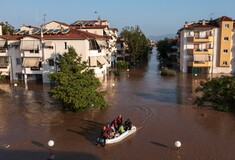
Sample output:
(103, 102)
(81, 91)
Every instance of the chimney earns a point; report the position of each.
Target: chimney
(203, 22)
(99, 21)
(1, 28)
(186, 24)
(30, 30)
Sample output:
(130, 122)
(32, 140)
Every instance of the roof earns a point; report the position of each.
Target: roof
(75, 34)
(114, 29)
(224, 18)
(92, 27)
(30, 26)
(72, 34)
(62, 23)
(207, 24)
(10, 37)
(91, 20)
(199, 26)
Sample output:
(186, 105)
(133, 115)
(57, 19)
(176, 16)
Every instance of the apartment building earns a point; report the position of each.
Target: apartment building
(207, 46)
(101, 27)
(30, 53)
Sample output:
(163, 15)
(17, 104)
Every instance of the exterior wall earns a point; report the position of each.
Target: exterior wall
(0, 29)
(233, 53)
(183, 52)
(80, 46)
(225, 44)
(14, 53)
(54, 25)
(94, 31)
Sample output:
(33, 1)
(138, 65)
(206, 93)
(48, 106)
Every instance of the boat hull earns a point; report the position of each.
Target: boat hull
(122, 136)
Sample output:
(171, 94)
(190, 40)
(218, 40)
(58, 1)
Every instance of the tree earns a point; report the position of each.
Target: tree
(164, 47)
(138, 44)
(7, 29)
(220, 92)
(75, 84)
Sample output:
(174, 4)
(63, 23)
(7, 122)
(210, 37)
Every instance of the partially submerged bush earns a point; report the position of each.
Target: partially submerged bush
(122, 64)
(168, 72)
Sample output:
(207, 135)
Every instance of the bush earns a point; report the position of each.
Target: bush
(122, 64)
(168, 72)
(116, 73)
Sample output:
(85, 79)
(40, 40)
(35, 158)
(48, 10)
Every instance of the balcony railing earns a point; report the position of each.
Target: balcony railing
(30, 54)
(200, 39)
(200, 51)
(30, 70)
(200, 64)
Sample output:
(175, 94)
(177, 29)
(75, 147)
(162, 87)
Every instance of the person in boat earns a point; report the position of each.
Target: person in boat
(103, 134)
(119, 120)
(115, 124)
(121, 129)
(128, 124)
(112, 131)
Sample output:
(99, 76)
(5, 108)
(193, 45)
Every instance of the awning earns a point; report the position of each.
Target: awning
(48, 44)
(102, 43)
(29, 44)
(31, 62)
(201, 58)
(93, 61)
(102, 60)
(2, 43)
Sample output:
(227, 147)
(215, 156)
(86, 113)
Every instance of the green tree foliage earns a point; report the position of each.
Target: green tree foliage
(75, 84)
(138, 44)
(122, 64)
(163, 47)
(220, 92)
(7, 29)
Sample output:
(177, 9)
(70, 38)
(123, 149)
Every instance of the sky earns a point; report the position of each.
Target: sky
(154, 17)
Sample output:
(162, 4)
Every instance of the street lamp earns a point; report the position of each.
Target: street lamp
(178, 145)
(51, 144)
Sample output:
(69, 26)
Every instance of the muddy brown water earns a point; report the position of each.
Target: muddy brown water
(160, 107)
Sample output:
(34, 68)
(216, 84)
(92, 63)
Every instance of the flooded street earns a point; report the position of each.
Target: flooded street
(160, 107)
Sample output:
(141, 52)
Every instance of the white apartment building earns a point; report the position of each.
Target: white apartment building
(30, 53)
(100, 27)
(207, 46)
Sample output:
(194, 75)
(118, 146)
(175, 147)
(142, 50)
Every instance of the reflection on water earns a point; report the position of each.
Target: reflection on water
(160, 107)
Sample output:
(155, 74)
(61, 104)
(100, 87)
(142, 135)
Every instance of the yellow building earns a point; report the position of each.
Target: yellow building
(207, 46)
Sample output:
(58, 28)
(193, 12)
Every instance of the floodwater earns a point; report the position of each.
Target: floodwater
(160, 107)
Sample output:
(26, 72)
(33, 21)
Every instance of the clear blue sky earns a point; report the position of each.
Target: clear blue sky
(155, 17)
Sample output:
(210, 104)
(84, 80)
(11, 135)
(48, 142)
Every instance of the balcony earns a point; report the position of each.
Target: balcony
(30, 70)
(199, 64)
(3, 52)
(200, 39)
(30, 54)
(95, 53)
(200, 51)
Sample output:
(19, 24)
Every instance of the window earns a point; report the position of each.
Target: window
(226, 38)
(18, 61)
(226, 25)
(225, 51)
(65, 45)
(50, 62)
(225, 63)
